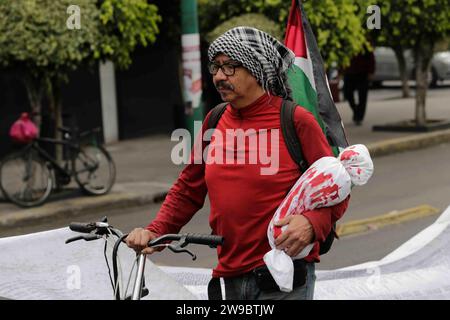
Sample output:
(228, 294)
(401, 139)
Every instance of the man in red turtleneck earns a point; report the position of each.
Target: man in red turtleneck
(243, 199)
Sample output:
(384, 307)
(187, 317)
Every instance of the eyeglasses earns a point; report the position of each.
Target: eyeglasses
(228, 68)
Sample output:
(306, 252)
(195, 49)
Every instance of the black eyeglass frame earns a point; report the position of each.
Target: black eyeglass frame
(216, 67)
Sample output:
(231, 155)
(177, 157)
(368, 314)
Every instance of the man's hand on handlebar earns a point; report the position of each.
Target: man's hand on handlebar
(138, 240)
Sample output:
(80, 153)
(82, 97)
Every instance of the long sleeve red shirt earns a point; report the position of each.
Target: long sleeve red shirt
(243, 200)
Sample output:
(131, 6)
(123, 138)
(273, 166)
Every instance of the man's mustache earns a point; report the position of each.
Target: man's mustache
(223, 85)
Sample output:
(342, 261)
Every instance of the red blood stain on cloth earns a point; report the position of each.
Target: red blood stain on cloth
(348, 154)
(320, 179)
(330, 192)
(322, 195)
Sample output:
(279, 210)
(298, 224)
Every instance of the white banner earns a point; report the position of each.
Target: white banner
(41, 266)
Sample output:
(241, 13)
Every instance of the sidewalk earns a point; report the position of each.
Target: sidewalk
(145, 170)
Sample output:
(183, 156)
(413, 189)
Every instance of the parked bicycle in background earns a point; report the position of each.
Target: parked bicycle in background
(27, 177)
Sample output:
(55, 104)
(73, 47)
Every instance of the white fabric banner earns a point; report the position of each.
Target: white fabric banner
(41, 266)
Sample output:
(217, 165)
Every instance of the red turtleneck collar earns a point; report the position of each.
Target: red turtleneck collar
(253, 108)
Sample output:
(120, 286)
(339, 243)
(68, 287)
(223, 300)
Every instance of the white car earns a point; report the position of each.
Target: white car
(387, 66)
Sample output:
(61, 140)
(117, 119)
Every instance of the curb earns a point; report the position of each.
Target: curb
(356, 227)
(412, 142)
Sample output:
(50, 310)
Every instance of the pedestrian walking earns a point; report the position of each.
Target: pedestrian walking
(356, 79)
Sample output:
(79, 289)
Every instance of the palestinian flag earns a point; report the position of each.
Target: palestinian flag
(308, 80)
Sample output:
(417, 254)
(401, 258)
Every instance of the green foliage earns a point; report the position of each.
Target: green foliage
(36, 37)
(214, 12)
(35, 40)
(124, 25)
(34, 34)
(337, 24)
(255, 20)
(408, 22)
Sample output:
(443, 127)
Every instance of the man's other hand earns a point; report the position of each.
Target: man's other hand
(297, 236)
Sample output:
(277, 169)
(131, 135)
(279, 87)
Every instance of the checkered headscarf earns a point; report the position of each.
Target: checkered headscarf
(265, 57)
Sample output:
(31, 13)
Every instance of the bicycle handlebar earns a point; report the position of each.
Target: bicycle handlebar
(82, 227)
(205, 239)
(91, 131)
(80, 134)
(64, 129)
(185, 238)
(101, 229)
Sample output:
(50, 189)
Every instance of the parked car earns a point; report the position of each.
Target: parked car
(387, 66)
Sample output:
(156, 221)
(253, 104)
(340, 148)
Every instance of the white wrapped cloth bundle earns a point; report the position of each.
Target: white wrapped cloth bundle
(327, 182)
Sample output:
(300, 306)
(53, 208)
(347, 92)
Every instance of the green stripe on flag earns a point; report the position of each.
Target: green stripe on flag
(305, 96)
(303, 93)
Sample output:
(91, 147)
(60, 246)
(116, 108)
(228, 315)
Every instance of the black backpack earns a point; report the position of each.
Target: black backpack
(292, 143)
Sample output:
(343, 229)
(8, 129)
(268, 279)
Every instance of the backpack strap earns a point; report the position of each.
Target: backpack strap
(215, 115)
(290, 134)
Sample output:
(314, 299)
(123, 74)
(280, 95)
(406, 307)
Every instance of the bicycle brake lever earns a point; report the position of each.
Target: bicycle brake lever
(179, 250)
(74, 239)
(89, 237)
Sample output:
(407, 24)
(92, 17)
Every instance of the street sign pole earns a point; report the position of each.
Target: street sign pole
(192, 73)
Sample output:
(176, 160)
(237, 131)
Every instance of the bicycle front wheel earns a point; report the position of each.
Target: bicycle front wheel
(95, 171)
(25, 179)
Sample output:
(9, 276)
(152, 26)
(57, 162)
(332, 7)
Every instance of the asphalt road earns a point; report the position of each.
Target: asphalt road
(400, 181)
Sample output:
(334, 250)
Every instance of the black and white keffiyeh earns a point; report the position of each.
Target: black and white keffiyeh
(265, 57)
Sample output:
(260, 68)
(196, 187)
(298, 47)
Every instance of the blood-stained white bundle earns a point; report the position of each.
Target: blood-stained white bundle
(327, 182)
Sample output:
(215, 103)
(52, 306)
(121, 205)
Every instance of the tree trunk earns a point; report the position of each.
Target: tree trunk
(54, 98)
(35, 91)
(423, 52)
(403, 71)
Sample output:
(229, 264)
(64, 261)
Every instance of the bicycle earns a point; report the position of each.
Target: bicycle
(28, 176)
(102, 230)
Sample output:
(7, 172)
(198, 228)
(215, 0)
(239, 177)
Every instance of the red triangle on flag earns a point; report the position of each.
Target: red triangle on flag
(295, 36)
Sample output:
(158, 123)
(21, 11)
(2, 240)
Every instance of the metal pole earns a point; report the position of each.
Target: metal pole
(137, 290)
(192, 73)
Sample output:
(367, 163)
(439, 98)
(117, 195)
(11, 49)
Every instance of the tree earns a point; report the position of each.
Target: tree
(392, 35)
(125, 24)
(420, 25)
(337, 24)
(45, 45)
(255, 20)
(37, 43)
